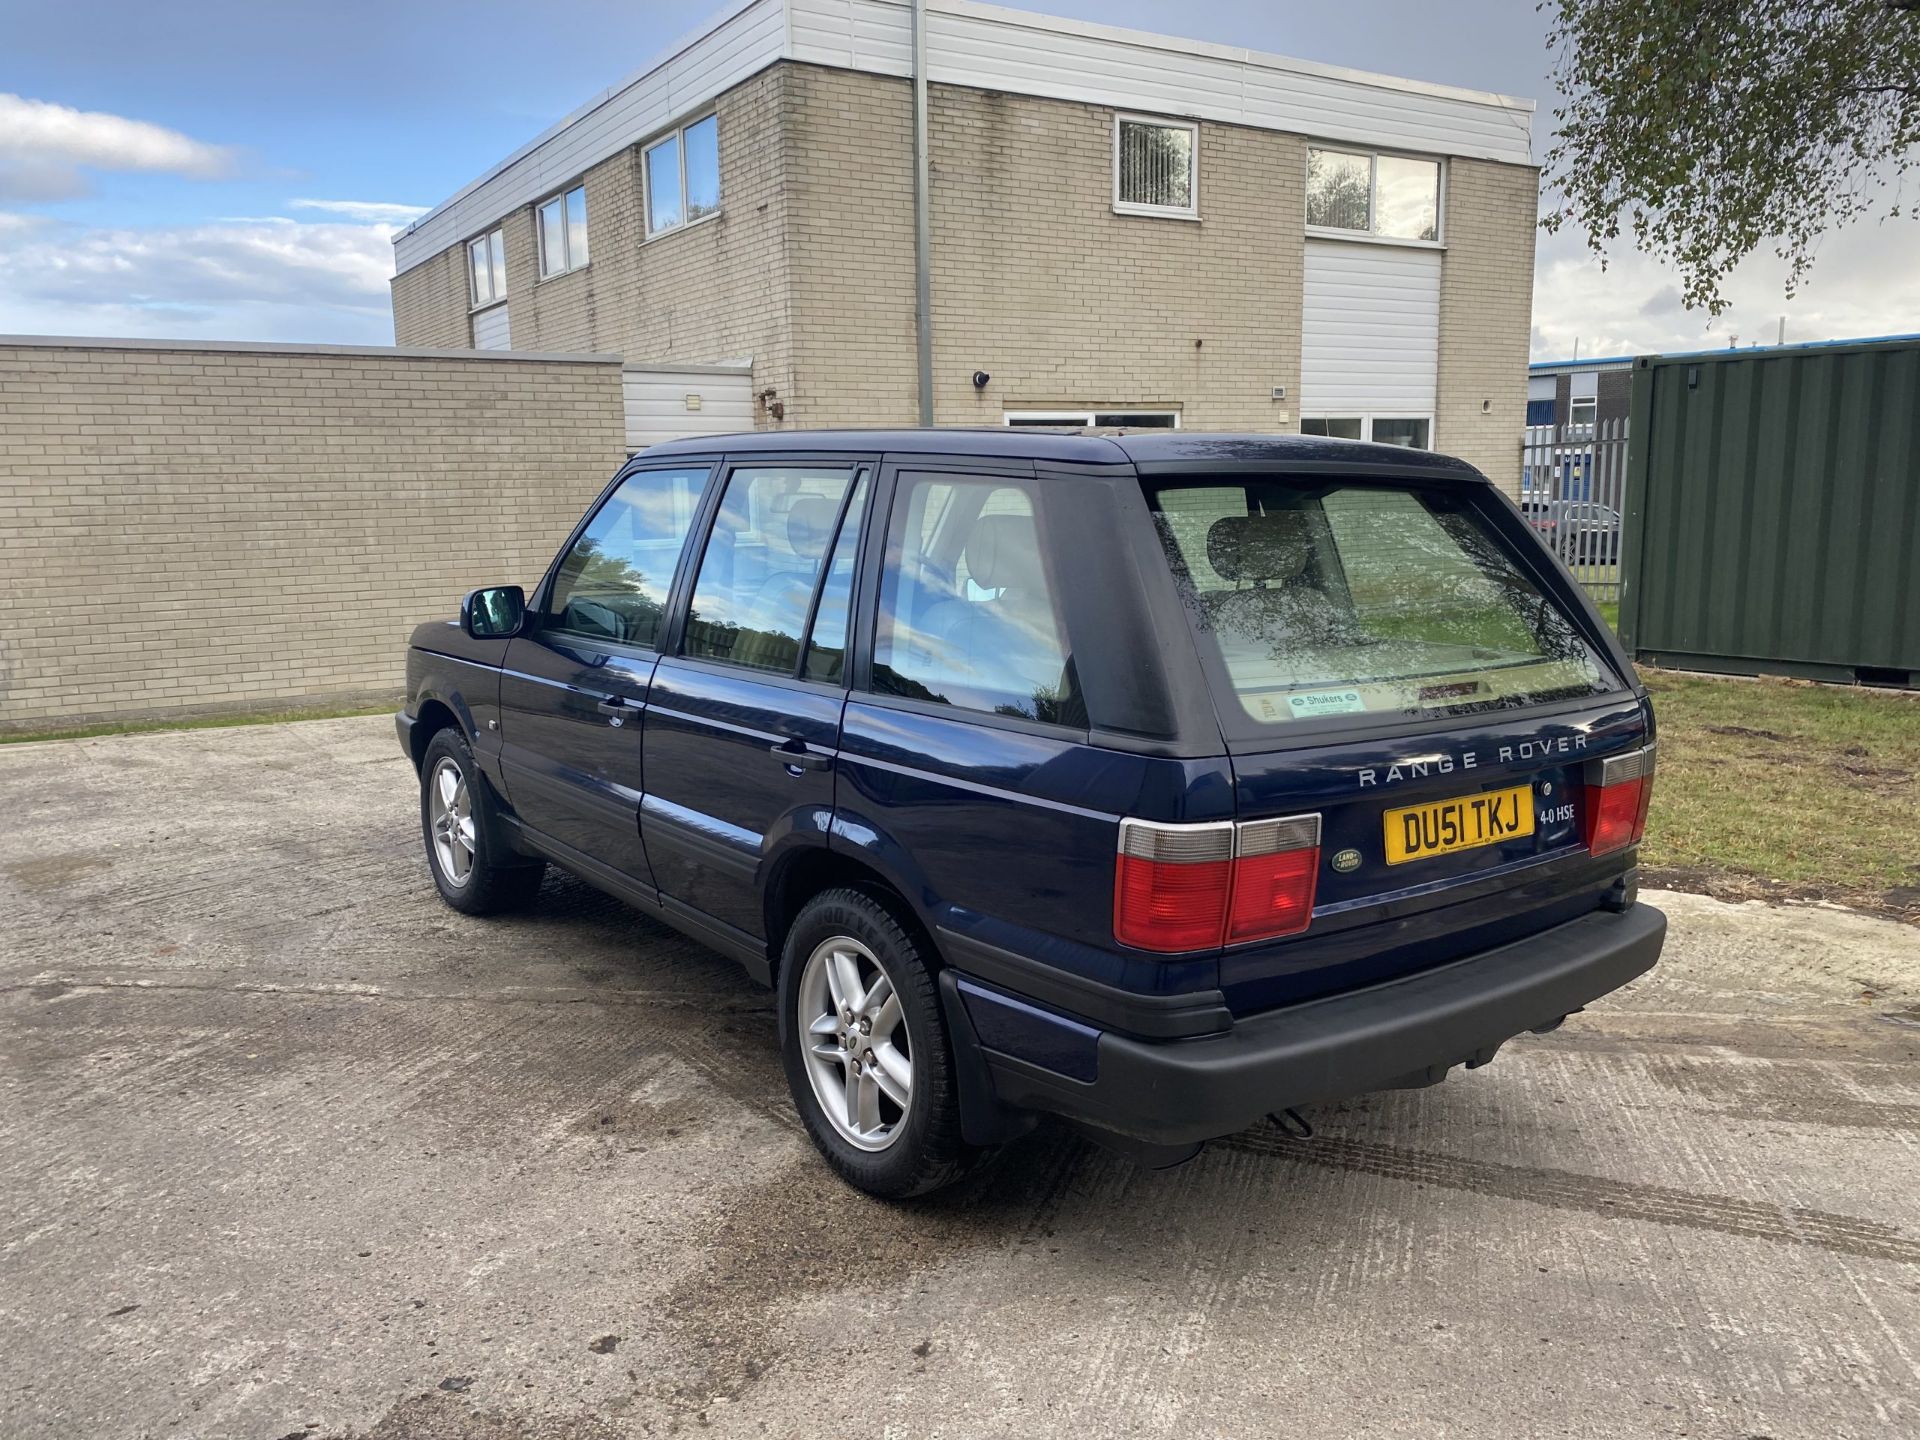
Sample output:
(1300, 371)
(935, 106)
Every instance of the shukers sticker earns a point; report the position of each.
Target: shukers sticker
(1308, 703)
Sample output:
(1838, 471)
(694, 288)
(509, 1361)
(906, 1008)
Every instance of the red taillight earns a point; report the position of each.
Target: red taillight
(1171, 884)
(1617, 799)
(1274, 868)
(1193, 887)
(1161, 905)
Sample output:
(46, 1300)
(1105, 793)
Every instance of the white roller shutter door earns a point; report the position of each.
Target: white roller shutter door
(1370, 329)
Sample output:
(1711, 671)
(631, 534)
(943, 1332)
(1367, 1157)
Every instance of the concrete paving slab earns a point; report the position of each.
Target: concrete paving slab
(288, 1148)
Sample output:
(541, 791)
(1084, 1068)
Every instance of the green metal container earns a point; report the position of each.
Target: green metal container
(1773, 512)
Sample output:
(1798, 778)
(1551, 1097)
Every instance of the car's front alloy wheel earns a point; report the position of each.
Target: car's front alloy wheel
(473, 869)
(450, 818)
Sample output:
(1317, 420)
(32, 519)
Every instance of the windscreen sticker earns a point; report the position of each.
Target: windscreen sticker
(1308, 703)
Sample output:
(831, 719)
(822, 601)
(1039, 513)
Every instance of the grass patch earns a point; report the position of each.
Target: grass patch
(1782, 789)
(198, 722)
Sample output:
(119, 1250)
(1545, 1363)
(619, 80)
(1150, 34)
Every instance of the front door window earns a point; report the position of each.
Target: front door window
(613, 582)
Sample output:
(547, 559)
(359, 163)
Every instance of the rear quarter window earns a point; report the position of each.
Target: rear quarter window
(1316, 600)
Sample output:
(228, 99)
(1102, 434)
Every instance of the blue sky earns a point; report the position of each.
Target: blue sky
(227, 171)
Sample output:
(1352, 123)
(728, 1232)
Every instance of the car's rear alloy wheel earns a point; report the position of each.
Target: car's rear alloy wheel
(859, 1055)
(865, 1047)
(450, 813)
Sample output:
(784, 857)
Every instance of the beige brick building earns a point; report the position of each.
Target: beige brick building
(1124, 227)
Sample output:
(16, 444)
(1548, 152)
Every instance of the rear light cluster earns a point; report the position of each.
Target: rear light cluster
(1618, 791)
(1195, 887)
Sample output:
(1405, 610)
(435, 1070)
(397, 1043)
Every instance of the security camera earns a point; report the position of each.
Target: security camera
(980, 379)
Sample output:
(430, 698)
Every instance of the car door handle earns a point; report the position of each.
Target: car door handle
(796, 755)
(617, 708)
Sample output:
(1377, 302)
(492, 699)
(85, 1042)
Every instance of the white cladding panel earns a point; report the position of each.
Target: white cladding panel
(1369, 329)
(751, 38)
(1541, 387)
(657, 404)
(994, 49)
(1585, 384)
(490, 329)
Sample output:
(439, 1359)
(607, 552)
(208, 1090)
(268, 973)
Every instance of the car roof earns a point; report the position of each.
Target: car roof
(1150, 450)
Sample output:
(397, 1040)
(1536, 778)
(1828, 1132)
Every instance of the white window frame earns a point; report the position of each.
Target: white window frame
(1190, 211)
(1085, 419)
(1574, 404)
(1371, 235)
(678, 133)
(566, 235)
(496, 275)
(1367, 417)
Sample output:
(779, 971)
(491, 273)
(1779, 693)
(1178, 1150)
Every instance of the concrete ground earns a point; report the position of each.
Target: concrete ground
(289, 1149)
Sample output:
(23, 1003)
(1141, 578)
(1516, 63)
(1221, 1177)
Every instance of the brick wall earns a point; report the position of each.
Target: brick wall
(716, 290)
(203, 528)
(430, 304)
(1486, 309)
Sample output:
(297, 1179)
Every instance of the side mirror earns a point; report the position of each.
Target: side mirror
(494, 613)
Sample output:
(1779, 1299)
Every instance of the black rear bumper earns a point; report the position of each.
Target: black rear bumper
(1408, 1031)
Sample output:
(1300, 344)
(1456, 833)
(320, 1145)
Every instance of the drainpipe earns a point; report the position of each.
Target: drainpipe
(922, 226)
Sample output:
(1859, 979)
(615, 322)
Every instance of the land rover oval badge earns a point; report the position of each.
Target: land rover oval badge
(1346, 860)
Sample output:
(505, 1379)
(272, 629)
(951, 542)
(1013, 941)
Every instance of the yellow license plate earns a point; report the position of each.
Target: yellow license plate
(1420, 832)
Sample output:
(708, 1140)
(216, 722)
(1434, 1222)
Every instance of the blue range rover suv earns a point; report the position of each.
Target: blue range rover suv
(1158, 782)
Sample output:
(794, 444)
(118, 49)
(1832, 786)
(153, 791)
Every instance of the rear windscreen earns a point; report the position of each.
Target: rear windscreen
(1331, 599)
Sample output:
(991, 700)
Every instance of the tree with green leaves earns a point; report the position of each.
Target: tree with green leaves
(1707, 128)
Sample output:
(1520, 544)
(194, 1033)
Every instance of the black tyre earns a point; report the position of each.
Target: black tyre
(866, 1049)
(458, 826)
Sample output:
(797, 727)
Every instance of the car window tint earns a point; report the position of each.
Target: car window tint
(827, 646)
(613, 583)
(761, 563)
(967, 616)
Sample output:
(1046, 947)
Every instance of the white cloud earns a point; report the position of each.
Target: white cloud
(265, 279)
(371, 211)
(45, 148)
(1863, 283)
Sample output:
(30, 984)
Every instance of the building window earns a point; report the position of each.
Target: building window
(1414, 432)
(1393, 197)
(1155, 166)
(487, 269)
(683, 176)
(563, 232)
(1583, 412)
(1095, 419)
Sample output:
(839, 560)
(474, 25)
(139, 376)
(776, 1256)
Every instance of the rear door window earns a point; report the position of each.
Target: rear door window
(1352, 599)
(762, 565)
(967, 612)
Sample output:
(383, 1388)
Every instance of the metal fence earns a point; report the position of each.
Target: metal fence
(1573, 485)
